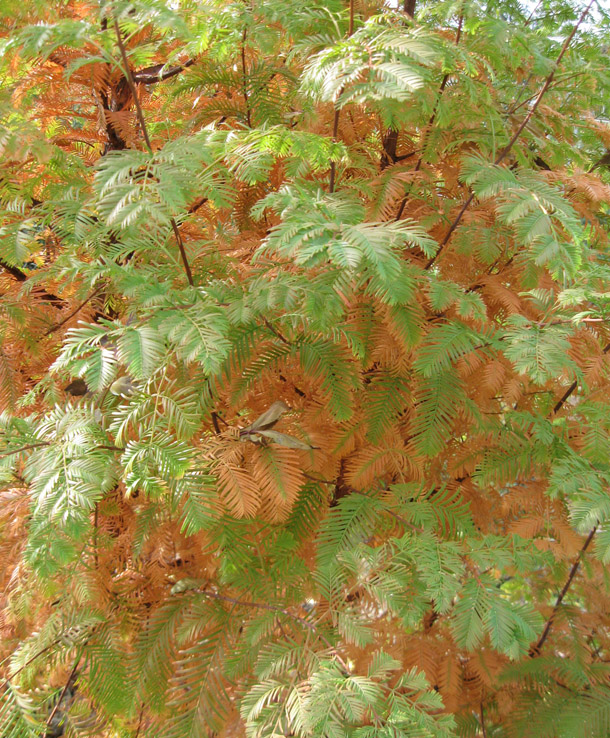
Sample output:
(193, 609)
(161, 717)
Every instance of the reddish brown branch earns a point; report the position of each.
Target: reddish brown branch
(331, 182)
(483, 729)
(142, 122)
(187, 268)
(57, 326)
(29, 661)
(244, 71)
(535, 650)
(430, 123)
(24, 448)
(140, 721)
(333, 166)
(62, 695)
(132, 85)
(197, 204)
(571, 389)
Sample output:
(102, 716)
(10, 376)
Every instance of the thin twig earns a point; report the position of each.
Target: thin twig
(535, 650)
(57, 326)
(275, 332)
(429, 125)
(132, 85)
(197, 204)
(159, 72)
(23, 448)
(28, 662)
(333, 166)
(482, 720)
(506, 150)
(140, 721)
(187, 268)
(568, 393)
(62, 695)
(244, 71)
(283, 611)
(47, 443)
(531, 15)
(331, 181)
(504, 153)
(95, 528)
(558, 81)
(142, 122)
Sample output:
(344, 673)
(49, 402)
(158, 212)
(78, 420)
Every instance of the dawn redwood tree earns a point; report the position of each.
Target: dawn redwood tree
(304, 369)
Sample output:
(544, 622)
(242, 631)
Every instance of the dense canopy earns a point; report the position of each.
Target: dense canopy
(304, 369)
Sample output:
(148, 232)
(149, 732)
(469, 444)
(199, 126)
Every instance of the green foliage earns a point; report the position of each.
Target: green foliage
(304, 369)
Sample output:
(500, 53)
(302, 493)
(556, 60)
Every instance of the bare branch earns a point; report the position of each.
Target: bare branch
(159, 73)
(57, 326)
(571, 389)
(62, 695)
(535, 650)
(142, 122)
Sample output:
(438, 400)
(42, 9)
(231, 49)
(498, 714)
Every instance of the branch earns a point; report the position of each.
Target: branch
(159, 73)
(244, 71)
(535, 650)
(61, 696)
(132, 85)
(24, 448)
(504, 153)
(275, 608)
(29, 661)
(57, 326)
(140, 721)
(21, 276)
(333, 166)
(572, 388)
(409, 7)
(142, 122)
(426, 132)
(483, 729)
(187, 268)
(275, 332)
(47, 443)
(13, 271)
(196, 205)
(531, 15)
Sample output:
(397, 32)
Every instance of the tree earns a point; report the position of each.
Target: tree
(304, 368)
